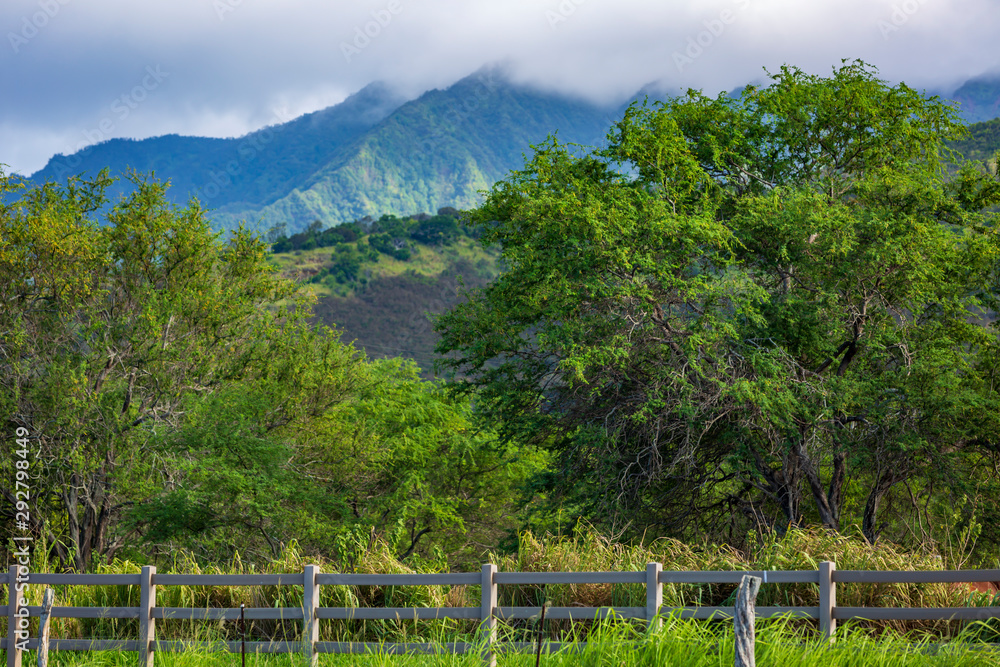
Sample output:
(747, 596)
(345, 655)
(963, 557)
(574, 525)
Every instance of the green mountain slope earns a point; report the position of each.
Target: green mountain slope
(379, 282)
(438, 150)
(978, 99)
(247, 172)
(369, 155)
(376, 153)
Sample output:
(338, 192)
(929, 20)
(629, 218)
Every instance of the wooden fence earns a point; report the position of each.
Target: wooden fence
(827, 577)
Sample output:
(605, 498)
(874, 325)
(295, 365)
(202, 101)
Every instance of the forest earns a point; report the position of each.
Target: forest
(736, 317)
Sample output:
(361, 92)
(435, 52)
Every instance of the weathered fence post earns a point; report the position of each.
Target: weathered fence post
(488, 624)
(654, 596)
(13, 604)
(43, 627)
(310, 622)
(827, 600)
(147, 624)
(743, 620)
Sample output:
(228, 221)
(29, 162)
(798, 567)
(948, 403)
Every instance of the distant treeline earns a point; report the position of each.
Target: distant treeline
(389, 235)
(360, 243)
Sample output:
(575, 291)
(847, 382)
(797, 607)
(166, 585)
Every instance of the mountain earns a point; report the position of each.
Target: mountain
(247, 172)
(983, 142)
(978, 99)
(373, 154)
(438, 150)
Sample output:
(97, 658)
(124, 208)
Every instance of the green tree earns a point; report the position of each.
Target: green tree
(111, 335)
(239, 473)
(743, 312)
(436, 230)
(412, 468)
(346, 264)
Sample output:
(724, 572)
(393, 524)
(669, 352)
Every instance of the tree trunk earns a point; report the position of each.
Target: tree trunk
(783, 485)
(791, 491)
(827, 502)
(868, 522)
(88, 518)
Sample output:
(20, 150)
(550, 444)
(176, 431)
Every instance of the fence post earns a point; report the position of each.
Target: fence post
(310, 622)
(147, 624)
(743, 620)
(43, 627)
(827, 600)
(654, 596)
(13, 604)
(488, 624)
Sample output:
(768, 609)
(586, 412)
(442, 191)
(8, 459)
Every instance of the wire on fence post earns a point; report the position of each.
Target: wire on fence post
(541, 634)
(743, 620)
(243, 632)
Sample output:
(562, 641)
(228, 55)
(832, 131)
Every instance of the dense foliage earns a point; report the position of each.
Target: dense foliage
(738, 316)
(748, 312)
(388, 235)
(169, 400)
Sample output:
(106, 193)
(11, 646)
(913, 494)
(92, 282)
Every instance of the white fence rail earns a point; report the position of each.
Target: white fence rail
(488, 613)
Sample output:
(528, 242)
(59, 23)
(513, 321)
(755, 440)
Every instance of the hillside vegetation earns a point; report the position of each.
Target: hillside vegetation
(380, 282)
(982, 144)
(376, 152)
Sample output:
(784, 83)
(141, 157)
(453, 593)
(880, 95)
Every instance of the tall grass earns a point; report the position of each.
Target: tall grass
(796, 550)
(585, 551)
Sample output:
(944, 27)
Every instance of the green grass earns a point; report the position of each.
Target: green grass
(681, 643)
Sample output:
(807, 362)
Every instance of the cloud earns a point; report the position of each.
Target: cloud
(232, 63)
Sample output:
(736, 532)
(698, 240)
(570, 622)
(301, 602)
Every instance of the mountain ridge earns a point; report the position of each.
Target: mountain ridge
(438, 150)
(250, 159)
(374, 153)
(978, 99)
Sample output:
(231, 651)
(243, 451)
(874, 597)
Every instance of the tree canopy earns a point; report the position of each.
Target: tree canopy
(175, 393)
(754, 311)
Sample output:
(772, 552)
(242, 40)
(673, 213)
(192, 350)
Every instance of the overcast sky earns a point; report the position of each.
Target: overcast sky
(73, 72)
